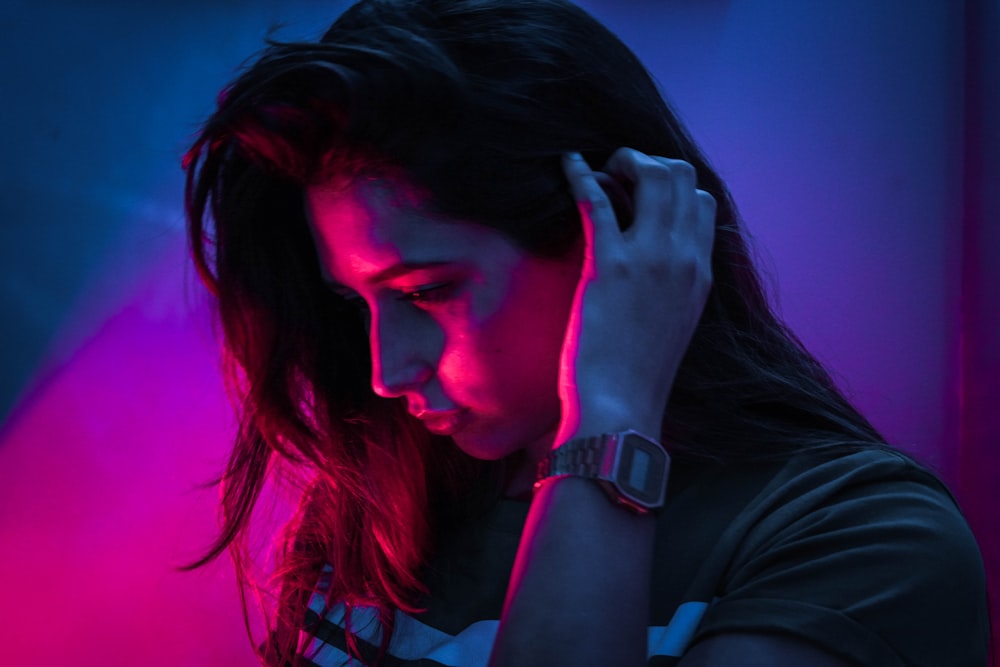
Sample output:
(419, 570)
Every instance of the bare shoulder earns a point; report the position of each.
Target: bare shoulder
(758, 650)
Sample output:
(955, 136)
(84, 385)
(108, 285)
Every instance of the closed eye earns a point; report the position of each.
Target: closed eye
(429, 294)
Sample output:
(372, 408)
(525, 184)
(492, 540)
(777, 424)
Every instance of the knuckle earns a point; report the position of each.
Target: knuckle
(626, 153)
(599, 202)
(707, 203)
(683, 172)
(654, 170)
(685, 168)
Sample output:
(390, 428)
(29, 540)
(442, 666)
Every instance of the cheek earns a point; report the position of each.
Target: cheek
(526, 338)
(509, 340)
(463, 366)
(539, 323)
(485, 356)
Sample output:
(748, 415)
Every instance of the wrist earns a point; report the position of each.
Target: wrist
(631, 467)
(607, 415)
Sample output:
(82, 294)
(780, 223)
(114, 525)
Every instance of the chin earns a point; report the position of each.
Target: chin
(485, 449)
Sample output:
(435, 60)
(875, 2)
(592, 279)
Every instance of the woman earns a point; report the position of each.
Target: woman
(485, 300)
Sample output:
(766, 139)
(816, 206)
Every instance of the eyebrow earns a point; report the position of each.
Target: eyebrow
(386, 274)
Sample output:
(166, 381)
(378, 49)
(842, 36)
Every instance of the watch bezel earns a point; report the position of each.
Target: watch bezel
(622, 477)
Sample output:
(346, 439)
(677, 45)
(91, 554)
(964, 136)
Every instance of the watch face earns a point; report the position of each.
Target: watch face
(642, 469)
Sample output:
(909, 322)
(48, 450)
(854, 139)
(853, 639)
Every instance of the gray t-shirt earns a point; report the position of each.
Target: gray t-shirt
(864, 555)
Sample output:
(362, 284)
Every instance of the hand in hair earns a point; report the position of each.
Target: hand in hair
(642, 289)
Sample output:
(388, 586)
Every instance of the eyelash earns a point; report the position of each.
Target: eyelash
(427, 296)
(430, 294)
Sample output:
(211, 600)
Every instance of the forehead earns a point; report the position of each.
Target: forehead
(368, 225)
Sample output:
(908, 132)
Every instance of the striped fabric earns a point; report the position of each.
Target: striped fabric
(416, 643)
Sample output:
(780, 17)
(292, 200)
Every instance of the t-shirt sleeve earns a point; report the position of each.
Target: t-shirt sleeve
(866, 556)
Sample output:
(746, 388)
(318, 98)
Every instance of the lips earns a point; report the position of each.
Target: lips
(445, 422)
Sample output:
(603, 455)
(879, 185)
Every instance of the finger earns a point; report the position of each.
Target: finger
(685, 178)
(663, 189)
(693, 209)
(704, 208)
(621, 200)
(596, 210)
(707, 208)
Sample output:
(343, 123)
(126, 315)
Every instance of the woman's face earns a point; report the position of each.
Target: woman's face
(466, 326)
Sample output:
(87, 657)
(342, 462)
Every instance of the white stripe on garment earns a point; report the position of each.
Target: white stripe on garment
(413, 640)
(673, 639)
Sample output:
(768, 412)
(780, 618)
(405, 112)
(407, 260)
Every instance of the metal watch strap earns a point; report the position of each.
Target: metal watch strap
(583, 459)
(631, 467)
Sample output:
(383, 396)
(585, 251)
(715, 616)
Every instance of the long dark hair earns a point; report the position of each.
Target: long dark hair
(474, 101)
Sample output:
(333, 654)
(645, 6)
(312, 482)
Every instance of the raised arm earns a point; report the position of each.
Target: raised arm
(579, 591)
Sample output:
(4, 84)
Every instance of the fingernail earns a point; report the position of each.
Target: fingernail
(573, 155)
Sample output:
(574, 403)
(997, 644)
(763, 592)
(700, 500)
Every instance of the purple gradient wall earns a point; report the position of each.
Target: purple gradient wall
(844, 130)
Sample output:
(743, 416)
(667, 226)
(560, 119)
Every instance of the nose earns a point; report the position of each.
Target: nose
(402, 355)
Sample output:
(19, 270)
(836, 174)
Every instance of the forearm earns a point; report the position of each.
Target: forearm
(579, 591)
